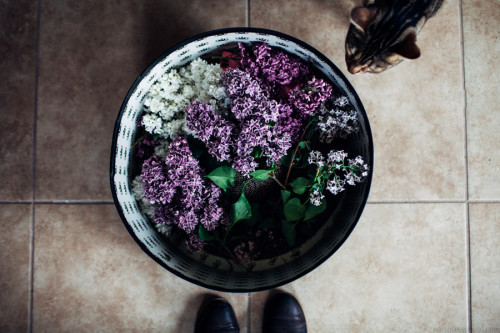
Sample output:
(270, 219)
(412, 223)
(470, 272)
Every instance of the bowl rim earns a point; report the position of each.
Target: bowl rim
(181, 44)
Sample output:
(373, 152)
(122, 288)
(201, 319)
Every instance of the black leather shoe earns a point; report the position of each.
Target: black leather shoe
(282, 313)
(216, 316)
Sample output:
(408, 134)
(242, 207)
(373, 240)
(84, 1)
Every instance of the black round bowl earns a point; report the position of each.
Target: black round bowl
(207, 270)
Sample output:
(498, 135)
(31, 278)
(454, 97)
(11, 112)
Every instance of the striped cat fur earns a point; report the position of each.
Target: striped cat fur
(383, 33)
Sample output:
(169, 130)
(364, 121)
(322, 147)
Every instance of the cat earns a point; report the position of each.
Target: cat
(383, 33)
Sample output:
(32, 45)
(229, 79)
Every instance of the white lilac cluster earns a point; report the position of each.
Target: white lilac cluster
(337, 121)
(333, 173)
(167, 98)
(138, 192)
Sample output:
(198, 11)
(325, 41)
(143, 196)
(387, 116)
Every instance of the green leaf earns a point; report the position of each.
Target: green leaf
(294, 210)
(256, 152)
(260, 174)
(300, 185)
(204, 234)
(285, 195)
(304, 145)
(223, 177)
(289, 232)
(241, 209)
(312, 210)
(256, 216)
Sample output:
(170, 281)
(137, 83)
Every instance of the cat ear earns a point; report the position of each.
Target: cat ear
(407, 48)
(361, 17)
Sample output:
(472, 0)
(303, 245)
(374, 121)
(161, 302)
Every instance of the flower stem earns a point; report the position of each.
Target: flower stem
(316, 176)
(273, 176)
(138, 141)
(223, 244)
(295, 153)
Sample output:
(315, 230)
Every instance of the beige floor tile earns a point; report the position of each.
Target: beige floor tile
(482, 66)
(15, 223)
(416, 109)
(485, 266)
(17, 79)
(91, 276)
(403, 269)
(91, 52)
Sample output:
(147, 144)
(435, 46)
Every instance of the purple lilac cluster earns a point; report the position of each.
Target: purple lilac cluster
(272, 93)
(145, 147)
(308, 98)
(273, 67)
(259, 123)
(286, 79)
(194, 243)
(154, 182)
(212, 129)
(285, 75)
(184, 197)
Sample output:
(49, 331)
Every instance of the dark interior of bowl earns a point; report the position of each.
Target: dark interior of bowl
(339, 219)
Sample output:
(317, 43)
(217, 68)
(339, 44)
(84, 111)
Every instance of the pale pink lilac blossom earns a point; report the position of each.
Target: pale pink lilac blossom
(333, 173)
(337, 120)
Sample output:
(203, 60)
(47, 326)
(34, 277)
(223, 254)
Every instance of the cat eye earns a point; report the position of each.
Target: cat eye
(351, 50)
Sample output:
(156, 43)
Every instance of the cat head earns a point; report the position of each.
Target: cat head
(373, 45)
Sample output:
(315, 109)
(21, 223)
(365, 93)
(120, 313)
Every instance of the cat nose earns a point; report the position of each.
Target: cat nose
(353, 69)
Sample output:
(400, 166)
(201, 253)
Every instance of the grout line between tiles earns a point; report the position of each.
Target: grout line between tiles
(483, 201)
(249, 313)
(21, 202)
(74, 202)
(433, 202)
(248, 14)
(31, 268)
(467, 195)
(33, 168)
(468, 269)
(389, 202)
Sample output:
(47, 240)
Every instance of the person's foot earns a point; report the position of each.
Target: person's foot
(216, 316)
(282, 313)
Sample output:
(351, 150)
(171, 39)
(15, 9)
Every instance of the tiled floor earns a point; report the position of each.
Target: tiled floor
(425, 256)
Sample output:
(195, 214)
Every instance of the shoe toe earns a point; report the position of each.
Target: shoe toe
(283, 313)
(216, 315)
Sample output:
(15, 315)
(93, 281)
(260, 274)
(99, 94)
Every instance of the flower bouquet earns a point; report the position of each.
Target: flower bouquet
(242, 156)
